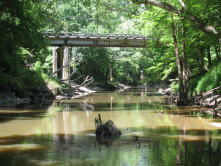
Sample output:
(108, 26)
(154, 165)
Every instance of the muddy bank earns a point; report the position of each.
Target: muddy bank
(9, 98)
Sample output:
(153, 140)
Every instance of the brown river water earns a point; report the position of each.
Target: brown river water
(63, 132)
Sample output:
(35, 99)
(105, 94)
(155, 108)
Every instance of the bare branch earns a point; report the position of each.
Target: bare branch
(86, 80)
(77, 78)
(70, 75)
(67, 64)
(211, 91)
(158, 111)
(159, 4)
(89, 82)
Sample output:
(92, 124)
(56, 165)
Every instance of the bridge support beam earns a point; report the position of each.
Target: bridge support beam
(54, 53)
(61, 58)
(66, 61)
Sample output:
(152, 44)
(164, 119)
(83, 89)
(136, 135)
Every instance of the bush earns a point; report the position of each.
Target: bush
(210, 80)
(174, 87)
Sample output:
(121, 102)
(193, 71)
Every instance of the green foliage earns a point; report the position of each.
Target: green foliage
(194, 83)
(22, 43)
(210, 80)
(174, 87)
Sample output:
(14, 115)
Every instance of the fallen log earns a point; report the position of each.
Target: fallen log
(209, 92)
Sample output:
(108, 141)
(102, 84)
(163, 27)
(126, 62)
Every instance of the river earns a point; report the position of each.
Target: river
(63, 132)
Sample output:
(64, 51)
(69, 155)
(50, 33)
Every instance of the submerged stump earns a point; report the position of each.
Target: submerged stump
(107, 129)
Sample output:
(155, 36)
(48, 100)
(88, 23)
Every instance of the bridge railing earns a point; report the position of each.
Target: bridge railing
(94, 35)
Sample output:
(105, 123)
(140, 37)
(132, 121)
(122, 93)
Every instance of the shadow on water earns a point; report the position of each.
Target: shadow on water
(25, 111)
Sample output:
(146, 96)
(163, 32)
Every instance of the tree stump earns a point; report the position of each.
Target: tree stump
(107, 129)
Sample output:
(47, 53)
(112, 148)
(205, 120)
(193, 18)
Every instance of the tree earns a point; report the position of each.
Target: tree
(185, 13)
(22, 41)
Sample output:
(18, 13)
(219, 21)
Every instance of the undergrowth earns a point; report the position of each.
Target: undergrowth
(210, 80)
(200, 84)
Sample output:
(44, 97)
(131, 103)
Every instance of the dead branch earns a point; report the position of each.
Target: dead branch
(210, 91)
(77, 78)
(70, 75)
(86, 80)
(158, 111)
(172, 80)
(67, 65)
(89, 82)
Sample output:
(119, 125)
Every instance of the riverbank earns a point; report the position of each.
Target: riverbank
(47, 92)
(52, 92)
(209, 100)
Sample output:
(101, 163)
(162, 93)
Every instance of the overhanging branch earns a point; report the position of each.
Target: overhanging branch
(198, 23)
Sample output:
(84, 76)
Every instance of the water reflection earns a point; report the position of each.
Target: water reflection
(63, 132)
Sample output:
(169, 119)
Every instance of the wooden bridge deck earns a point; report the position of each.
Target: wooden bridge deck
(97, 39)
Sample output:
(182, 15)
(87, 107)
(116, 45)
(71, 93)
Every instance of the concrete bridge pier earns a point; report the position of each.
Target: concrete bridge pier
(61, 58)
(54, 53)
(66, 61)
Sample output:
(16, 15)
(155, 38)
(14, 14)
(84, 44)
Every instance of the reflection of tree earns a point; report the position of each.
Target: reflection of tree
(184, 152)
(178, 152)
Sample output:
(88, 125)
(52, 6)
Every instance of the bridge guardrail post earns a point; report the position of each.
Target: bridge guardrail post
(116, 36)
(98, 35)
(77, 35)
(135, 36)
(66, 34)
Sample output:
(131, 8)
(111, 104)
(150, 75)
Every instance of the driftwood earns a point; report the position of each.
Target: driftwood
(86, 82)
(67, 64)
(158, 111)
(210, 91)
(107, 129)
(70, 75)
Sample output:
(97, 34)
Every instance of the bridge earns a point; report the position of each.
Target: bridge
(97, 39)
(62, 41)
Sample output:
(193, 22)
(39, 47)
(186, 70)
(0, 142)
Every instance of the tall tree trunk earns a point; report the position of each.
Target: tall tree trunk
(185, 67)
(201, 59)
(217, 54)
(209, 57)
(201, 66)
(110, 68)
(106, 76)
(181, 93)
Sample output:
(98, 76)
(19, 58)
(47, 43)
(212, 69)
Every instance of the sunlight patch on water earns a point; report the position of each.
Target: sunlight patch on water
(20, 147)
